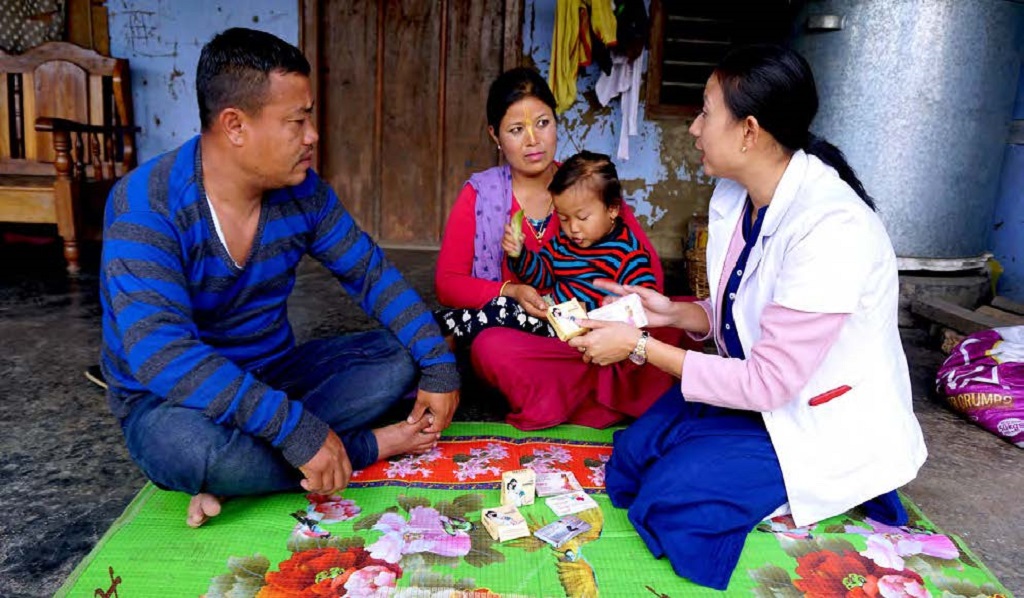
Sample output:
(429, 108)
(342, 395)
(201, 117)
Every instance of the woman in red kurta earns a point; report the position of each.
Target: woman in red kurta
(544, 380)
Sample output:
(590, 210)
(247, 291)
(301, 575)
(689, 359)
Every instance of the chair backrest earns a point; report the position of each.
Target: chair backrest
(64, 81)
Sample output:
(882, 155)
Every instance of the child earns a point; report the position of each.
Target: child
(592, 244)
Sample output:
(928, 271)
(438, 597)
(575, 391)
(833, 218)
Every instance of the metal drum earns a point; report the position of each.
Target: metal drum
(919, 95)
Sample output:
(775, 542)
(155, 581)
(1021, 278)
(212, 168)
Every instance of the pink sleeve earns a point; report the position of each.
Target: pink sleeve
(792, 346)
(706, 306)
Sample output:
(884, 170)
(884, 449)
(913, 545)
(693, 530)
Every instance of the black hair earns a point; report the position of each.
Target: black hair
(234, 70)
(593, 169)
(512, 86)
(775, 85)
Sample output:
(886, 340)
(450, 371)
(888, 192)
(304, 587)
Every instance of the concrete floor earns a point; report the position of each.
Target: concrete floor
(65, 475)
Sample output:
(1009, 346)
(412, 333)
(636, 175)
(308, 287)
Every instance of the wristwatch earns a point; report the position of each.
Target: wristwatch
(639, 354)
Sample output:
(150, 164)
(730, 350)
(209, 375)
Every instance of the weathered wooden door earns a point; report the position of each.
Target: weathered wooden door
(401, 89)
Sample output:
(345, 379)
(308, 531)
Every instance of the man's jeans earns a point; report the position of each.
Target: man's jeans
(348, 382)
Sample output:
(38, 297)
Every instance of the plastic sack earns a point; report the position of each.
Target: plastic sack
(983, 378)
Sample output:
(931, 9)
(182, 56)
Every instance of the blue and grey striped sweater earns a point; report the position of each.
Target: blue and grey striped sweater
(180, 320)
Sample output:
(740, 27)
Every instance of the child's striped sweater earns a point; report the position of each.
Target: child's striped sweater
(566, 270)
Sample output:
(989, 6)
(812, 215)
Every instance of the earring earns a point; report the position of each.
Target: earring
(499, 146)
(743, 149)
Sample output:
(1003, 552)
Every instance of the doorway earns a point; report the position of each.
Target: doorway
(401, 88)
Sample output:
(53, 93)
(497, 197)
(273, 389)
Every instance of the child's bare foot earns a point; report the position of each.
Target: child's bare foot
(201, 508)
(403, 438)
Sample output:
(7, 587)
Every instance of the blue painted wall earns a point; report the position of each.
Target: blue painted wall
(1008, 225)
(162, 40)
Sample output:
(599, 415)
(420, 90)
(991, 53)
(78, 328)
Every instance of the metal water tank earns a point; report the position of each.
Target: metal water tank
(919, 95)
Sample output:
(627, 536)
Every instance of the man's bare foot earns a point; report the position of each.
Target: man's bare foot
(202, 507)
(403, 437)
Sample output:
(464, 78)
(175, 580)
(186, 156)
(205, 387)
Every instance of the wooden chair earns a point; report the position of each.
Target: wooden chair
(66, 135)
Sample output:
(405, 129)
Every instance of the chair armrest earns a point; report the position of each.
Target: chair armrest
(69, 146)
(46, 124)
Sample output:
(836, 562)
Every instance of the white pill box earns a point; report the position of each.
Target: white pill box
(628, 309)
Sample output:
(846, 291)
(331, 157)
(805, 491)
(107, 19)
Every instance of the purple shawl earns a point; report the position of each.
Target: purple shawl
(493, 202)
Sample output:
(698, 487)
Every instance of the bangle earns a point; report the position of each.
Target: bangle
(501, 292)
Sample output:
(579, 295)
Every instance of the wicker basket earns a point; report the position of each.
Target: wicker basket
(695, 253)
(697, 272)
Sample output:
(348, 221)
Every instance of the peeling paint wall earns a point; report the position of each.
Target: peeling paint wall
(1008, 226)
(662, 179)
(162, 40)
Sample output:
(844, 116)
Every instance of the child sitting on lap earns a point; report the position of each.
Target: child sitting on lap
(593, 244)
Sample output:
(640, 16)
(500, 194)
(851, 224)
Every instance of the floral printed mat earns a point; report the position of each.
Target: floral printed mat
(410, 527)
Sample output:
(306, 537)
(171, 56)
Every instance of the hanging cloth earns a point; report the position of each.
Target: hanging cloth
(571, 44)
(624, 81)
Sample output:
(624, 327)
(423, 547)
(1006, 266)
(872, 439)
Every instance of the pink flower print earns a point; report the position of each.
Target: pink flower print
(423, 532)
(390, 546)
(493, 451)
(897, 586)
(403, 468)
(411, 465)
(432, 455)
(479, 461)
(470, 470)
(597, 471)
(546, 459)
(888, 545)
(332, 509)
(371, 581)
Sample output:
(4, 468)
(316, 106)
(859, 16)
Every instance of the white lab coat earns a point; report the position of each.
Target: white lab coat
(823, 250)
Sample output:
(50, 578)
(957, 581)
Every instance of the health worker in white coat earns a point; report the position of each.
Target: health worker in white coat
(807, 406)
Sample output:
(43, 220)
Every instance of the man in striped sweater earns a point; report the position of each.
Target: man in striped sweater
(199, 255)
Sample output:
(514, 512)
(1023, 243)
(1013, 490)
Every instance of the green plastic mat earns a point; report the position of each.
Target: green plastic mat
(410, 527)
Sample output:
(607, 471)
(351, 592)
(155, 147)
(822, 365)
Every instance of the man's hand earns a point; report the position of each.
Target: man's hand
(529, 298)
(329, 469)
(441, 406)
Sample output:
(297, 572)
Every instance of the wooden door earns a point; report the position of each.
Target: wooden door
(401, 88)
